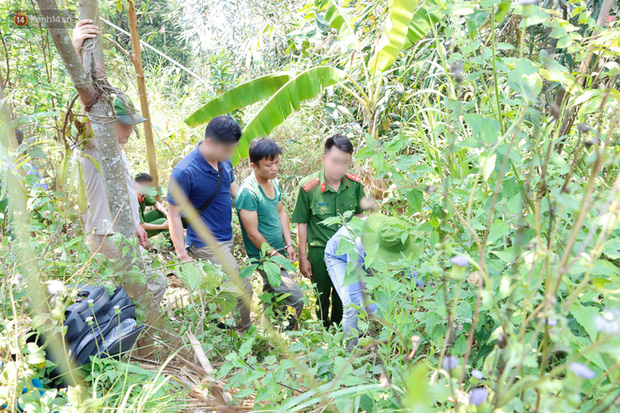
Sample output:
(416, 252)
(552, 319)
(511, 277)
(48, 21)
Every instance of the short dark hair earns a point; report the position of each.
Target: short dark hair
(339, 141)
(223, 129)
(263, 148)
(143, 177)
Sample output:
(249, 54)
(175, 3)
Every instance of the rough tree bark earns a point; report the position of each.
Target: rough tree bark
(136, 59)
(102, 119)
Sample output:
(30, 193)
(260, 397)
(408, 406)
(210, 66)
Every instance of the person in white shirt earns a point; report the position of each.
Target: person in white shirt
(98, 220)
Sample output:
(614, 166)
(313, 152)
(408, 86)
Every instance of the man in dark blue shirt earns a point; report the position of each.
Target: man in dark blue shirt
(206, 177)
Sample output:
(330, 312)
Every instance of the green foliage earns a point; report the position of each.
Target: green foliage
(481, 128)
(394, 34)
(238, 97)
(338, 19)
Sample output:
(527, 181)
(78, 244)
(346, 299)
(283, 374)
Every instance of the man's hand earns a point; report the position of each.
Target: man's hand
(164, 225)
(305, 267)
(184, 257)
(292, 254)
(85, 29)
(143, 237)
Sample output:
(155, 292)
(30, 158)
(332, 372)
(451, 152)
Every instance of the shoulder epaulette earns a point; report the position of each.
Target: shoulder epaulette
(310, 184)
(354, 177)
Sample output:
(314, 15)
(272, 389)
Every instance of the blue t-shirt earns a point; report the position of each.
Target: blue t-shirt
(198, 179)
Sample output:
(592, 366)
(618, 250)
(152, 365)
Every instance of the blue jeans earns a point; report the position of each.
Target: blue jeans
(351, 296)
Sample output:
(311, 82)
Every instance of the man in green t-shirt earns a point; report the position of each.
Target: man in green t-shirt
(265, 221)
(155, 220)
(330, 192)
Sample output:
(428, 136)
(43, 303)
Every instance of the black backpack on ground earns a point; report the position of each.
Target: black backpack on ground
(100, 325)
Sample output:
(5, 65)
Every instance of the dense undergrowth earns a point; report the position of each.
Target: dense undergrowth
(494, 132)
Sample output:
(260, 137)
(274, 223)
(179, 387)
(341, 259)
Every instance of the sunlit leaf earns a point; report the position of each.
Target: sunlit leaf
(238, 97)
(427, 15)
(338, 19)
(418, 389)
(273, 274)
(284, 263)
(302, 87)
(394, 34)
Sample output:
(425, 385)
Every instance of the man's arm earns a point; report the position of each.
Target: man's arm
(160, 208)
(302, 244)
(359, 210)
(249, 220)
(286, 232)
(148, 226)
(233, 189)
(301, 215)
(176, 232)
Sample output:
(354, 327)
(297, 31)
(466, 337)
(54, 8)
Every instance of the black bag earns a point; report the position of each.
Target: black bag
(99, 325)
(208, 201)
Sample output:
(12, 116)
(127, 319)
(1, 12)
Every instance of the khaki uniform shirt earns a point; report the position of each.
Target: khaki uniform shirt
(317, 201)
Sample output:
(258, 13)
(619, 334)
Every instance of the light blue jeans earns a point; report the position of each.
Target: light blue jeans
(351, 295)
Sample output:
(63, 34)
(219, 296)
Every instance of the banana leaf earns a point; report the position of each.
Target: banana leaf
(304, 86)
(426, 16)
(394, 34)
(238, 97)
(338, 19)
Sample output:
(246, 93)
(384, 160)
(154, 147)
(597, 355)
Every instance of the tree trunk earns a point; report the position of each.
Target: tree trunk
(102, 119)
(136, 59)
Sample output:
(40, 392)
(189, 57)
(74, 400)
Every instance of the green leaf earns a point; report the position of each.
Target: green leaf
(338, 19)
(304, 86)
(498, 230)
(612, 248)
(475, 22)
(427, 15)
(238, 97)
(502, 10)
(190, 276)
(415, 199)
(418, 389)
(508, 255)
(248, 270)
(525, 79)
(585, 316)
(273, 274)
(483, 129)
(284, 263)
(487, 165)
(393, 39)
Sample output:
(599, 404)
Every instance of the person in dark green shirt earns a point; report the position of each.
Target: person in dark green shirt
(330, 192)
(264, 221)
(155, 220)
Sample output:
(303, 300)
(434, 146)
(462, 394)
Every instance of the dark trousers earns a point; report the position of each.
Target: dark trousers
(325, 288)
(293, 297)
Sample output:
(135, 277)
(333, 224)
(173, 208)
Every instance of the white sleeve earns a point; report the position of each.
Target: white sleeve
(133, 196)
